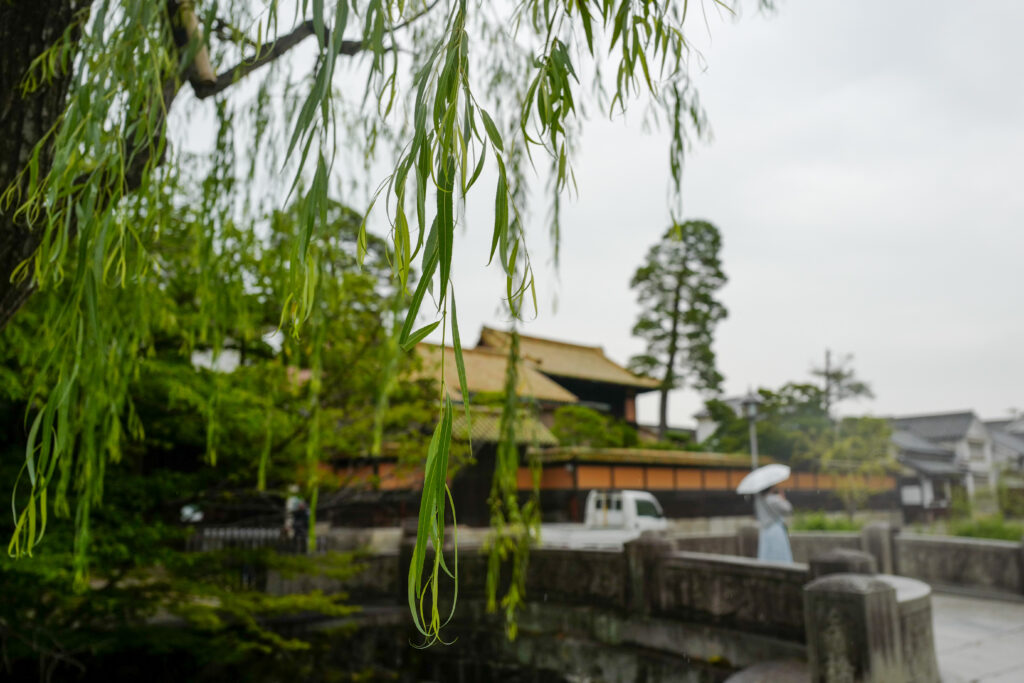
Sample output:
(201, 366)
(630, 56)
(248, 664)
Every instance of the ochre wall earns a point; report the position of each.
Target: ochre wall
(668, 478)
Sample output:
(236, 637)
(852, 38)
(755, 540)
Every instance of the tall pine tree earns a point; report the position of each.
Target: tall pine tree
(676, 289)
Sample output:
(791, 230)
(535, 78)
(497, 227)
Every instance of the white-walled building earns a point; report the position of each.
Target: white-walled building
(962, 434)
(1007, 443)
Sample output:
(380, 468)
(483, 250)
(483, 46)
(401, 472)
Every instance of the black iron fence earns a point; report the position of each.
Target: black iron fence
(208, 539)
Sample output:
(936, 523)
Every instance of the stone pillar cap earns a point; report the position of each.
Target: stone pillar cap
(849, 583)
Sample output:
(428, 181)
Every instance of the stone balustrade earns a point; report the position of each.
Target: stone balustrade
(701, 598)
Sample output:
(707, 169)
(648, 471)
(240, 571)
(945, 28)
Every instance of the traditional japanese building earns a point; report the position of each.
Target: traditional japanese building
(586, 372)
(552, 374)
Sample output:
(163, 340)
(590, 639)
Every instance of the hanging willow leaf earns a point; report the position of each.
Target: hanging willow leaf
(419, 335)
(430, 259)
(434, 498)
(492, 131)
(446, 220)
(460, 365)
(500, 234)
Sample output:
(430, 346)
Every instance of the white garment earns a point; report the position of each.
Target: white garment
(773, 541)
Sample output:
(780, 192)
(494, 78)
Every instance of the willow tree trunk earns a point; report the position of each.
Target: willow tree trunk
(27, 29)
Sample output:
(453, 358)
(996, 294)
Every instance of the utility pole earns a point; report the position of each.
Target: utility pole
(828, 383)
(828, 393)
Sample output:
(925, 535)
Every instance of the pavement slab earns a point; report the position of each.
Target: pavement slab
(978, 640)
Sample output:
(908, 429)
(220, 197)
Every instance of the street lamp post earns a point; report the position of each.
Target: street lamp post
(751, 402)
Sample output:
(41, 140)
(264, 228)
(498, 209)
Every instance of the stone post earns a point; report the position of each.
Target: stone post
(746, 540)
(642, 556)
(876, 538)
(1020, 566)
(914, 600)
(853, 630)
(843, 561)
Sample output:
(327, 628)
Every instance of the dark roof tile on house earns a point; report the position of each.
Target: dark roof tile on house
(1007, 440)
(1010, 426)
(908, 442)
(562, 359)
(932, 468)
(942, 427)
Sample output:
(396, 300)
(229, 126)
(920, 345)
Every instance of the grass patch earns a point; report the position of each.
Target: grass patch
(819, 521)
(988, 527)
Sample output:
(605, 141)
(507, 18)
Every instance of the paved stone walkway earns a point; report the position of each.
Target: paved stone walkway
(978, 640)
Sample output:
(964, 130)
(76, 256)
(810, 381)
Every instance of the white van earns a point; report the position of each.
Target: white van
(637, 510)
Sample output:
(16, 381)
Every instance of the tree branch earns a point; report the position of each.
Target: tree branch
(273, 51)
(266, 55)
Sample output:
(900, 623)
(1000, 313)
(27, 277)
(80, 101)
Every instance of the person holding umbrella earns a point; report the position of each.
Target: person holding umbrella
(771, 509)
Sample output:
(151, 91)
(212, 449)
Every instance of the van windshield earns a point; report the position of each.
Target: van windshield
(645, 508)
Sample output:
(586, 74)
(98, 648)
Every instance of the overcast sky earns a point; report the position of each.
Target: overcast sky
(865, 172)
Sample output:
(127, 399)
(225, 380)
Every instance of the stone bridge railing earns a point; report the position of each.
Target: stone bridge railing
(981, 566)
(702, 599)
(715, 613)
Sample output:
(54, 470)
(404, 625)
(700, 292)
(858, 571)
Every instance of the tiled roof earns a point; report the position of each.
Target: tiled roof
(932, 468)
(562, 359)
(486, 428)
(1012, 441)
(485, 372)
(1011, 426)
(944, 427)
(908, 442)
(647, 456)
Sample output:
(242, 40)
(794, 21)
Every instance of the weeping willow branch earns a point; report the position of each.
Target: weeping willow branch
(91, 187)
(267, 54)
(187, 32)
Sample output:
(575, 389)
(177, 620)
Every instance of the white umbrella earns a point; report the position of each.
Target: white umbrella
(763, 478)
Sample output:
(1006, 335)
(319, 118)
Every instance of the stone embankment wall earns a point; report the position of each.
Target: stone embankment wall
(986, 566)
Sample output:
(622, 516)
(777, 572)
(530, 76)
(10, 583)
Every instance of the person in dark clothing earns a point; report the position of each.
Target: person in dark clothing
(300, 521)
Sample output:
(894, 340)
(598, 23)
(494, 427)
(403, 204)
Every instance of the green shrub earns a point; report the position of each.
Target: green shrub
(1011, 499)
(819, 521)
(993, 526)
(960, 504)
(582, 426)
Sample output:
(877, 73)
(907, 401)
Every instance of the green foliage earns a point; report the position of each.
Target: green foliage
(676, 287)
(840, 382)
(1010, 496)
(960, 505)
(582, 426)
(858, 448)
(993, 526)
(229, 442)
(821, 521)
(788, 420)
(673, 441)
(515, 527)
(794, 427)
(276, 403)
(445, 83)
(141, 583)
